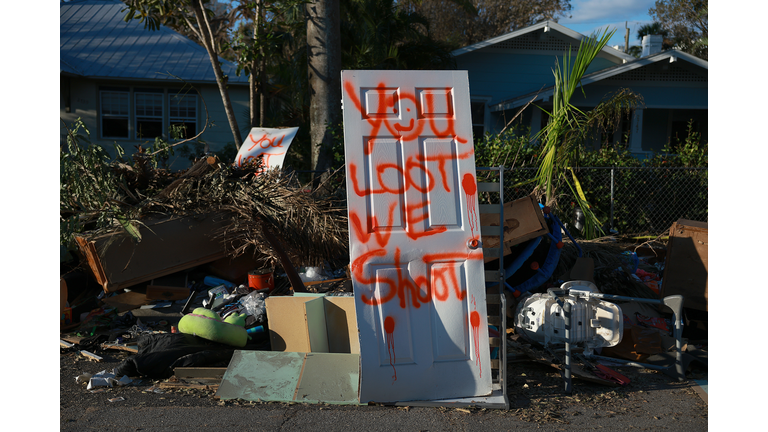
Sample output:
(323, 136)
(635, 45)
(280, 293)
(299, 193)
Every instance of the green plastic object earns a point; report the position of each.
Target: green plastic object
(208, 325)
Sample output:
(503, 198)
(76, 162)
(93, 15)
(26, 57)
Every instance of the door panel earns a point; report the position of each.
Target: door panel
(416, 272)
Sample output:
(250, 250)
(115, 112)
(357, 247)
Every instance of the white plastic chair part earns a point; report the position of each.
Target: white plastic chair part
(594, 323)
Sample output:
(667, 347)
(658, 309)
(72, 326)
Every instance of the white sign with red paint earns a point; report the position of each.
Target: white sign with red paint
(269, 144)
(415, 253)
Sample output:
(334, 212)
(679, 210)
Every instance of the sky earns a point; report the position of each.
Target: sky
(589, 16)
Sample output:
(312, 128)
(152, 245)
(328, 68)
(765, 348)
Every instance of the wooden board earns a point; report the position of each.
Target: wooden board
(159, 292)
(132, 348)
(686, 267)
(199, 372)
(167, 246)
(126, 301)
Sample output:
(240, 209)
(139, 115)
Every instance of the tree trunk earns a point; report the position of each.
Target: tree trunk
(252, 83)
(257, 80)
(324, 60)
(262, 67)
(203, 25)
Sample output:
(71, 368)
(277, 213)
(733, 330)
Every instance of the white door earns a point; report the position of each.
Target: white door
(416, 260)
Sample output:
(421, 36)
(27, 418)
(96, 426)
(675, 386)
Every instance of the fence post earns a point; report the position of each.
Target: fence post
(611, 225)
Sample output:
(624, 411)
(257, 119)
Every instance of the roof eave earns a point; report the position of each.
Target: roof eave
(601, 75)
(548, 26)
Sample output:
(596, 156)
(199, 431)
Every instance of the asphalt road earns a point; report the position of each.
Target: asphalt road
(652, 402)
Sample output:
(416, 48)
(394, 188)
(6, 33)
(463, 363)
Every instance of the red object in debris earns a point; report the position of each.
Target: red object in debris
(658, 323)
(534, 265)
(610, 375)
(261, 279)
(646, 276)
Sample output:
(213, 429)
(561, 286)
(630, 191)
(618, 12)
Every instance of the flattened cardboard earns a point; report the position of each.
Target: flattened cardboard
(523, 220)
(686, 268)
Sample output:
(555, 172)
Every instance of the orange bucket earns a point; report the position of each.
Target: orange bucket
(261, 279)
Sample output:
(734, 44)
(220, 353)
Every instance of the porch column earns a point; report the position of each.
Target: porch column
(636, 137)
(535, 121)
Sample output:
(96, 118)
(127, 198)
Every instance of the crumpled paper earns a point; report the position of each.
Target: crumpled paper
(102, 379)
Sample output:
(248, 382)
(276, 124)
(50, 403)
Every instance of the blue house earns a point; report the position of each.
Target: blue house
(129, 84)
(508, 71)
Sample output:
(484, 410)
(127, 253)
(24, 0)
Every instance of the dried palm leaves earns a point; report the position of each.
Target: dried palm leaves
(311, 229)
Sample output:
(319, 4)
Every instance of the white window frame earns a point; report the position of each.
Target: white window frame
(157, 96)
(117, 111)
(486, 113)
(188, 98)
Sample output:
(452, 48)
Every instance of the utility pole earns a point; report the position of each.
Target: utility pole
(626, 38)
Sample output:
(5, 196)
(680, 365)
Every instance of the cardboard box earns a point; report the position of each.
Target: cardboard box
(523, 221)
(686, 268)
(312, 323)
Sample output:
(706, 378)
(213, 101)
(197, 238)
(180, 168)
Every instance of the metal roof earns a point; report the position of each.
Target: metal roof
(96, 42)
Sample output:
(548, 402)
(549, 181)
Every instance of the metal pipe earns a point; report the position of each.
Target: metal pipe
(568, 379)
(612, 197)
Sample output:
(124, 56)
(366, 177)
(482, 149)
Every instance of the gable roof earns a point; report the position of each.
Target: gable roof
(96, 42)
(546, 26)
(636, 65)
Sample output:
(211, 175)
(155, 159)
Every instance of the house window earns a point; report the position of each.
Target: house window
(149, 114)
(478, 120)
(114, 114)
(182, 110)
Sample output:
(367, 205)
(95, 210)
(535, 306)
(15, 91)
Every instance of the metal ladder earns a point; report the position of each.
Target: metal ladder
(495, 295)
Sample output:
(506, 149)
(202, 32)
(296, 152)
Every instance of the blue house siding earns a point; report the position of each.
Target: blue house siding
(507, 71)
(502, 74)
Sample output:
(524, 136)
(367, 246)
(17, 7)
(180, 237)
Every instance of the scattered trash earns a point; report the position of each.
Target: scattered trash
(117, 399)
(254, 305)
(311, 274)
(103, 379)
(91, 356)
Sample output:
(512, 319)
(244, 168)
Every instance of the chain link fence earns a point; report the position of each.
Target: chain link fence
(631, 201)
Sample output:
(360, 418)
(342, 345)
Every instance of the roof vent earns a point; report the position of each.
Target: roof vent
(652, 44)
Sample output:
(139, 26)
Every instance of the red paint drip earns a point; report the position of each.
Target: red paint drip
(470, 188)
(389, 327)
(474, 319)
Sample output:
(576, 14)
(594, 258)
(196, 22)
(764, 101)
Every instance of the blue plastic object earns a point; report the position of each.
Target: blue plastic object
(544, 271)
(214, 281)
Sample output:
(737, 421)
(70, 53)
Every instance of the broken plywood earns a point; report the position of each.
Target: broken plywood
(291, 377)
(167, 246)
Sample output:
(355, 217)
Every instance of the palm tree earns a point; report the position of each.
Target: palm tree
(568, 128)
(656, 29)
(376, 34)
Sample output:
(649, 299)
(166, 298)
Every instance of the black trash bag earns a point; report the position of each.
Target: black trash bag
(92, 343)
(159, 353)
